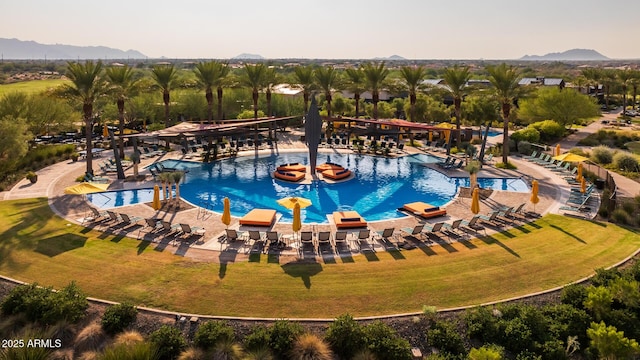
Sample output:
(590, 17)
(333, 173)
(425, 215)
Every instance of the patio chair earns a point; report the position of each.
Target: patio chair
(473, 224)
(151, 226)
(273, 240)
(189, 231)
(435, 228)
(491, 219)
(256, 237)
(129, 220)
(324, 239)
(453, 227)
(340, 237)
(113, 217)
(232, 235)
(415, 231)
(306, 240)
(95, 216)
(387, 234)
(363, 240)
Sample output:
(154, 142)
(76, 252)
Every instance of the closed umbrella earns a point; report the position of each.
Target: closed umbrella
(430, 136)
(290, 202)
(583, 185)
(155, 204)
(475, 201)
(226, 212)
(534, 194)
(105, 131)
(557, 150)
(579, 173)
(297, 223)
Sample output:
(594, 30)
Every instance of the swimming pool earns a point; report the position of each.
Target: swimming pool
(380, 187)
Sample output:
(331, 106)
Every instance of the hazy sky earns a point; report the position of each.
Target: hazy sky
(414, 29)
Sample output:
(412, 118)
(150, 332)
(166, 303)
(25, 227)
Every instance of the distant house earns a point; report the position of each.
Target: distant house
(287, 90)
(543, 81)
(383, 95)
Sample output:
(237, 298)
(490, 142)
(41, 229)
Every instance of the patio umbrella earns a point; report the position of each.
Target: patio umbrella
(475, 201)
(226, 212)
(105, 131)
(297, 223)
(430, 135)
(583, 185)
(534, 194)
(579, 173)
(291, 202)
(557, 152)
(155, 204)
(570, 157)
(85, 188)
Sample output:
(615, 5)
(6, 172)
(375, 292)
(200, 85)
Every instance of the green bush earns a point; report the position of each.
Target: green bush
(548, 129)
(605, 276)
(212, 332)
(445, 336)
(117, 317)
(384, 342)
(169, 342)
(629, 207)
(625, 161)
(525, 147)
(574, 295)
(529, 134)
(621, 217)
(44, 305)
(602, 154)
(345, 336)
(283, 334)
(257, 338)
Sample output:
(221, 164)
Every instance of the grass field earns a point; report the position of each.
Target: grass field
(36, 245)
(31, 87)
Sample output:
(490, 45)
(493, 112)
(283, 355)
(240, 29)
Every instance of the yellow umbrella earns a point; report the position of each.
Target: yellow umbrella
(445, 125)
(579, 173)
(85, 188)
(430, 135)
(570, 157)
(447, 133)
(105, 131)
(583, 185)
(557, 153)
(534, 194)
(475, 201)
(297, 223)
(226, 212)
(155, 204)
(291, 202)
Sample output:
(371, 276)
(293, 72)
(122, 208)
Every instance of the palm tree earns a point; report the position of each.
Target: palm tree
(375, 76)
(122, 86)
(505, 82)
(608, 80)
(86, 86)
(412, 78)
(206, 76)
(635, 81)
(355, 83)
(327, 79)
(625, 77)
(165, 77)
(580, 82)
(270, 79)
(253, 77)
(304, 78)
(219, 82)
(594, 75)
(456, 79)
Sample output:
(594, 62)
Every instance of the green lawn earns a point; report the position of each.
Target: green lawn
(31, 87)
(36, 245)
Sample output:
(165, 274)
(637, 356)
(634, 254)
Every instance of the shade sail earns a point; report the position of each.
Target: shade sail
(85, 188)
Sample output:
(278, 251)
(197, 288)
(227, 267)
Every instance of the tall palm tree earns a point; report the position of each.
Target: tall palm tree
(634, 82)
(375, 76)
(608, 80)
(122, 86)
(303, 76)
(624, 76)
(270, 80)
(355, 82)
(253, 77)
(165, 77)
(594, 75)
(505, 82)
(327, 80)
(86, 86)
(206, 74)
(411, 78)
(220, 82)
(580, 82)
(456, 79)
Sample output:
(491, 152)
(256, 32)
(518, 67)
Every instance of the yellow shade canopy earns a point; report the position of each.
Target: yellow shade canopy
(475, 201)
(226, 212)
(297, 222)
(85, 188)
(290, 202)
(570, 157)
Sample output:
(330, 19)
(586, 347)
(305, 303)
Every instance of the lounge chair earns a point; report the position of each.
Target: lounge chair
(188, 230)
(151, 226)
(435, 228)
(96, 179)
(415, 231)
(273, 240)
(473, 224)
(324, 239)
(424, 210)
(340, 237)
(259, 217)
(453, 227)
(129, 220)
(386, 235)
(348, 219)
(491, 219)
(533, 155)
(306, 240)
(363, 240)
(256, 238)
(232, 235)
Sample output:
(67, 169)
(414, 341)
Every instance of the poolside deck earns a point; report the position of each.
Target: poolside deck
(553, 192)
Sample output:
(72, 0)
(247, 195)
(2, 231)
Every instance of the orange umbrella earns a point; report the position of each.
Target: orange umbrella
(226, 212)
(583, 185)
(297, 222)
(430, 135)
(155, 204)
(475, 201)
(105, 131)
(579, 174)
(534, 194)
(557, 150)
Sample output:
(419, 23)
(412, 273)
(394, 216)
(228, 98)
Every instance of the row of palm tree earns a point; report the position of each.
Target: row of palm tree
(608, 78)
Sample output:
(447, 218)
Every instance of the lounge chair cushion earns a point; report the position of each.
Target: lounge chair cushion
(328, 166)
(348, 219)
(289, 175)
(424, 210)
(336, 174)
(259, 217)
(293, 167)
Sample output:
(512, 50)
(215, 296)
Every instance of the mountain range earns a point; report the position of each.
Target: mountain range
(569, 55)
(24, 50)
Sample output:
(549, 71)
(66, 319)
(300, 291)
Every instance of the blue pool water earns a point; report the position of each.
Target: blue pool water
(380, 187)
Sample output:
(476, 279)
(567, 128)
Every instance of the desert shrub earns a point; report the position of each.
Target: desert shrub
(487, 352)
(625, 161)
(445, 336)
(629, 207)
(604, 276)
(44, 305)
(482, 323)
(345, 336)
(117, 317)
(257, 338)
(211, 332)
(602, 155)
(310, 346)
(226, 349)
(384, 342)
(574, 295)
(192, 353)
(169, 342)
(620, 216)
(283, 334)
(134, 351)
(90, 338)
(528, 134)
(525, 147)
(128, 337)
(548, 129)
